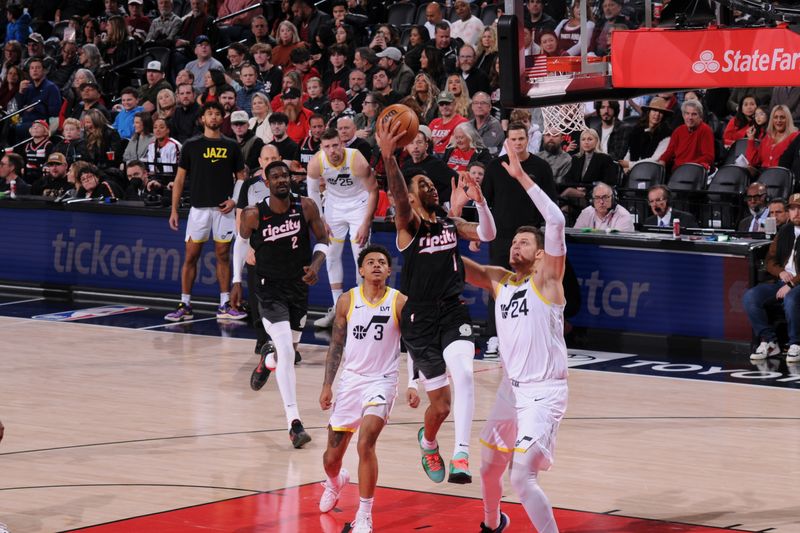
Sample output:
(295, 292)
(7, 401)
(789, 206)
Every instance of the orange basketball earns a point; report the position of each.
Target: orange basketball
(407, 118)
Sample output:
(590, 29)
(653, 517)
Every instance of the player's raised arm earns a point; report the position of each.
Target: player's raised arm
(387, 141)
(335, 350)
(317, 226)
(555, 245)
(482, 276)
(468, 189)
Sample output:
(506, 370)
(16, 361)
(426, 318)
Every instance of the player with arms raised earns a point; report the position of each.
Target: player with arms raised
(435, 324)
(532, 396)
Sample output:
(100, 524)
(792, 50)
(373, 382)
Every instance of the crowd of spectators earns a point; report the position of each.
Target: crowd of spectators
(111, 87)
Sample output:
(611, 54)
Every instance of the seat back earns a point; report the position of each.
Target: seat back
(728, 179)
(723, 210)
(489, 14)
(402, 14)
(779, 182)
(421, 20)
(688, 177)
(738, 148)
(643, 175)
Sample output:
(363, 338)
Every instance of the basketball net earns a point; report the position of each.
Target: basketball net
(566, 118)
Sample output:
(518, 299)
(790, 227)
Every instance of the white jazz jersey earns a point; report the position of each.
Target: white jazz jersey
(341, 185)
(531, 332)
(373, 335)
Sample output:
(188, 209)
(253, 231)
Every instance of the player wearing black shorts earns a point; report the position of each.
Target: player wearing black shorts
(278, 229)
(435, 324)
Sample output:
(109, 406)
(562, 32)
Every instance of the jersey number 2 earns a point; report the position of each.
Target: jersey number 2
(294, 243)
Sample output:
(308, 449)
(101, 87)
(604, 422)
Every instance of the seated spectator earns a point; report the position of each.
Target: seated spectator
(474, 79)
(536, 20)
(488, 127)
(612, 15)
(140, 186)
(788, 96)
(19, 23)
(737, 126)
(401, 75)
(72, 103)
(317, 101)
(467, 27)
(35, 44)
(93, 186)
(12, 57)
(227, 98)
(138, 22)
(692, 142)
(297, 114)
(534, 135)
(437, 170)
(382, 84)
(163, 154)
(418, 39)
(357, 90)
(270, 75)
(462, 104)
(658, 196)
(205, 61)
(39, 91)
(9, 87)
(166, 103)
(465, 147)
(36, 150)
(339, 107)
(604, 213)
(248, 142)
(779, 211)
(89, 58)
(73, 146)
(650, 137)
(425, 92)
(614, 135)
(301, 61)
(91, 98)
(11, 168)
(288, 40)
(237, 57)
(553, 153)
(291, 80)
(367, 120)
(54, 183)
(123, 122)
(164, 28)
(569, 29)
(757, 207)
(591, 165)
(148, 93)
(259, 122)
(443, 126)
(783, 265)
(185, 122)
(213, 81)
(761, 121)
(313, 141)
(184, 76)
(118, 46)
(102, 141)
(289, 150)
(250, 85)
(62, 73)
(781, 131)
(141, 139)
(346, 127)
(549, 44)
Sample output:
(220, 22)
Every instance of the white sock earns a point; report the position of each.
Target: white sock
(429, 444)
(224, 297)
(533, 498)
(336, 293)
(186, 299)
(459, 355)
(365, 506)
(281, 336)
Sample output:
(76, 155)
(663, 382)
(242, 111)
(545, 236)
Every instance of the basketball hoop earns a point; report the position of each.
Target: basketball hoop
(566, 118)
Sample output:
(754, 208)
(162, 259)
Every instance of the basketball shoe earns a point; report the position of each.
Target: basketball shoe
(766, 349)
(227, 311)
(504, 522)
(327, 319)
(183, 312)
(432, 461)
(331, 494)
(362, 524)
(261, 372)
(459, 469)
(793, 355)
(298, 434)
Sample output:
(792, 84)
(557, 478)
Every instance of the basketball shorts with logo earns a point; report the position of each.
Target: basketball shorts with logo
(428, 328)
(210, 220)
(283, 301)
(357, 396)
(345, 217)
(525, 419)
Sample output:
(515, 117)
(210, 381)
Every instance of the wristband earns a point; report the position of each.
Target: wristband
(320, 247)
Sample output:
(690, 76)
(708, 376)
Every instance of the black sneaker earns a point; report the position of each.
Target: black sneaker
(504, 521)
(260, 374)
(298, 435)
(297, 357)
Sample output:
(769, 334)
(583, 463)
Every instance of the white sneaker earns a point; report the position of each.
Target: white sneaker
(362, 524)
(327, 319)
(793, 355)
(331, 494)
(492, 348)
(768, 349)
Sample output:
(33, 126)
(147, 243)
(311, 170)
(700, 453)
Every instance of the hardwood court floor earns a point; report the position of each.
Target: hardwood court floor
(104, 424)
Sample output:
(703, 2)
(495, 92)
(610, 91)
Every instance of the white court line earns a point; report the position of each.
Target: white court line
(22, 301)
(177, 323)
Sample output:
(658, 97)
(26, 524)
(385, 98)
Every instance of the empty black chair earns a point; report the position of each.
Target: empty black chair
(779, 182)
(723, 210)
(401, 14)
(645, 174)
(688, 177)
(738, 148)
(489, 14)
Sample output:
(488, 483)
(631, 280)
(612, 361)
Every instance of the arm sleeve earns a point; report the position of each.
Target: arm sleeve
(487, 230)
(313, 191)
(554, 239)
(240, 248)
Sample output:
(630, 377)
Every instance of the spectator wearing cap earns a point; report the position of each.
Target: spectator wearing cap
(487, 126)
(783, 266)
(19, 23)
(650, 137)
(128, 108)
(289, 150)
(37, 149)
(297, 114)
(11, 168)
(90, 99)
(339, 108)
(468, 27)
(250, 85)
(536, 20)
(442, 126)
(337, 75)
(402, 76)
(164, 28)
(382, 84)
(34, 44)
(204, 62)
(248, 141)
(138, 23)
(148, 93)
(54, 183)
(437, 170)
(36, 89)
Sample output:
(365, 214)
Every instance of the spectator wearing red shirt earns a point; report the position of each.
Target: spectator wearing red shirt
(298, 115)
(443, 126)
(465, 147)
(781, 131)
(741, 122)
(691, 142)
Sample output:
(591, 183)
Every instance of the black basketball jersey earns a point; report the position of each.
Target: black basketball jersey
(281, 243)
(432, 265)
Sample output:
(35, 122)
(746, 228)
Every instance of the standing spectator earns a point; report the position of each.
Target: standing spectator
(163, 153)
(36, 150)
(289, 150)
(756, 197)
(288, 40)
(212, 185)
(19, 23)
(141, 139)
(475, 78)
(744, 118)
(554, 155)
(658, 197)
(650, 137)
(148, 93)
(164, 28)
(73, 146)
(465, 147)
(123, 122)
(783, 265)
(604, 212)
(271, 76)
(36, 89)
(569, 29)
(781, 131)
(693, 141)
(537, 20)
(259, 123)
(102, 141)
(250, 86)
(468, 27)
(424, 92)
(54, 183)
(613, 134)
(204, 62)
(249, 144)
(11, 166)
(402, 77)
(185, 120)
(443, 126)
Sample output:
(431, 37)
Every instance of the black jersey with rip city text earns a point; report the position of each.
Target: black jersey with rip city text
(281, 243)
(432, 265)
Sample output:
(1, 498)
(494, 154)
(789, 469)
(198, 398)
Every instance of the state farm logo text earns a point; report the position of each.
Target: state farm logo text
(738, 61)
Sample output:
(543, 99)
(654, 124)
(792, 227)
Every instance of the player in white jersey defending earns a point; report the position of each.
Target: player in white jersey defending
(532, 396)
(351, 196)
(367, 329)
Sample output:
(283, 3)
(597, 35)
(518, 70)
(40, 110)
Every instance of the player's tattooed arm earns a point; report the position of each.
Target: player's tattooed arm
(387, 141)
(335, 350)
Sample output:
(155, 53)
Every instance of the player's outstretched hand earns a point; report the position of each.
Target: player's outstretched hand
(310, 277)
(412, 397)
(326, 397)
(513, 167)
(458, 196)
(470, 187)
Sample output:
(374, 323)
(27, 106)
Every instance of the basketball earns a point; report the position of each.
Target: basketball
(407, 118)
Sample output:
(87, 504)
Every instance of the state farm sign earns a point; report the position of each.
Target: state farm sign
(689, 59)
